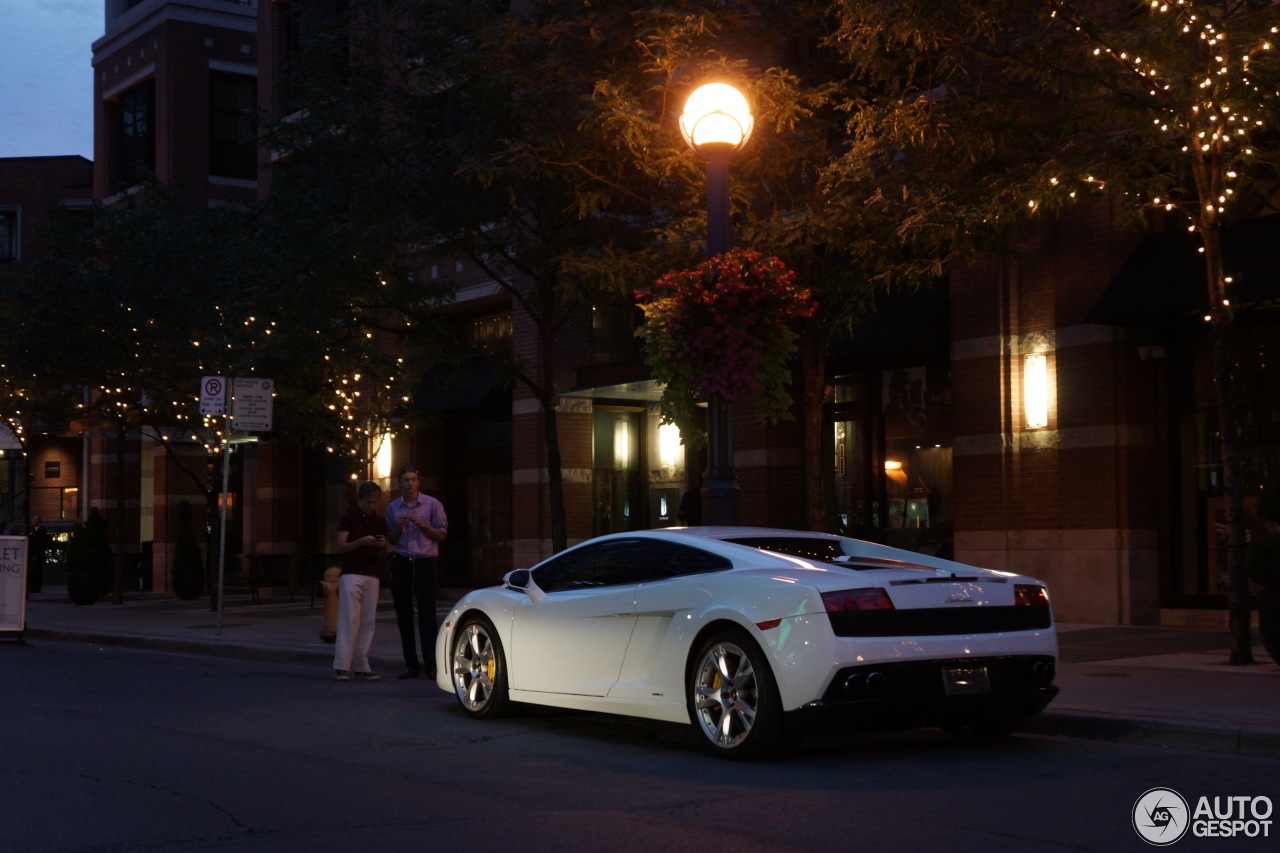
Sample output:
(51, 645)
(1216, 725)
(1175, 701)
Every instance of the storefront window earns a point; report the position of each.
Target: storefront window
(618, 500)
(890, 461)
(918, 497)
(1203, 514)
(641, 470)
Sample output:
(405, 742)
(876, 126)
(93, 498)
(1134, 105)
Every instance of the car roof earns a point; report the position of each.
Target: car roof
(743, 532)
(859, 551)
(715, 539)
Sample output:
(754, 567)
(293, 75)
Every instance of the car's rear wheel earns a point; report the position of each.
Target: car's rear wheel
(733, 698)
(479, 668)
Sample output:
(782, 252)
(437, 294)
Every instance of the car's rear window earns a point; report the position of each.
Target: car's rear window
(808, 547)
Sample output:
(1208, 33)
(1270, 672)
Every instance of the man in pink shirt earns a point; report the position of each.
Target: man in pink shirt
(416, 525)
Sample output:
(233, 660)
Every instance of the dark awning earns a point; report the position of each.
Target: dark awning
(1163, 281)
(916, 321)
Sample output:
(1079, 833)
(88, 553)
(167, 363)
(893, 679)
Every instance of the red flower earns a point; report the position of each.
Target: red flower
(721, 328)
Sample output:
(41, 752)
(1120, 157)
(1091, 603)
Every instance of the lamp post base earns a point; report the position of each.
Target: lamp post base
(719, 487)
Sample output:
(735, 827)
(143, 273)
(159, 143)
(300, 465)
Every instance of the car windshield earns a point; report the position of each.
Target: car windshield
(808, 547)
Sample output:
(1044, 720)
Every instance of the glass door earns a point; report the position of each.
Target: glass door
(617, 485)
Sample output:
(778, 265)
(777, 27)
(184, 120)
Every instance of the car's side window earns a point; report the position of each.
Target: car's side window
(810, 548)
(669, 560)
(612, 563)
(624, 561)
(568, 571)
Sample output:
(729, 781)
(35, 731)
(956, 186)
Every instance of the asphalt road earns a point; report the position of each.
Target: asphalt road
(108, 748)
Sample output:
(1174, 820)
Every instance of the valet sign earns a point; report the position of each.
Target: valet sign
(1162, 816)
(13, 583)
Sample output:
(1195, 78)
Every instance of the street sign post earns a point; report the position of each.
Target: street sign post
(251, 410)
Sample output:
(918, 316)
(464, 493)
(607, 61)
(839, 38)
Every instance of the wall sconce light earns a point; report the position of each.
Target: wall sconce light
(1035, 390)
(621, 445)
(668, 445)
(893, 471)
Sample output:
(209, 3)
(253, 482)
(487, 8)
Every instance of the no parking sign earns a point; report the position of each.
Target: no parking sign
(213, 395)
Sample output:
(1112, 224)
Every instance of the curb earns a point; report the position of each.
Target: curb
(1229, 738)
(230, 649)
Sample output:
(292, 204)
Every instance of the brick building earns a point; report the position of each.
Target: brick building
(31, 188)
(1049, 413)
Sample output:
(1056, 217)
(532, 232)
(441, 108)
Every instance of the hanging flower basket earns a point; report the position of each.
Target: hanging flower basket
(721, 329)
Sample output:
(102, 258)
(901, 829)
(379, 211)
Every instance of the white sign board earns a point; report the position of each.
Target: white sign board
(213, 395)
(251, 406)
(13, 583)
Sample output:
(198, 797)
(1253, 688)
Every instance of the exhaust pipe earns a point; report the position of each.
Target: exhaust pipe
(872, 684)
(1043, 672)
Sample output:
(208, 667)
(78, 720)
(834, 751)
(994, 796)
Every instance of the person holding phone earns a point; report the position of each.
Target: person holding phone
(362, 540)
(416, 525)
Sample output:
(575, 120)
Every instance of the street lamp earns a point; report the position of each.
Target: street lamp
(716, 123)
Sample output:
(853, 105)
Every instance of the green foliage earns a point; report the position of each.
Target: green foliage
(137, 301)
(1187, 92)
(122, 303)
(538, 146)
(957, 128)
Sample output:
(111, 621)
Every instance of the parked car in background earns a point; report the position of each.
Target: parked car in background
(753, 635)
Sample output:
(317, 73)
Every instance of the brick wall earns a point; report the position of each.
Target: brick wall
(1071, 502)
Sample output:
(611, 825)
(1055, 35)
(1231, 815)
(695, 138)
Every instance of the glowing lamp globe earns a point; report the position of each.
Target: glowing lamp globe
(716, 119)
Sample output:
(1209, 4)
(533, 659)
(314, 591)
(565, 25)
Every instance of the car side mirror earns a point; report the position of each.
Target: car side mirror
(522, 580)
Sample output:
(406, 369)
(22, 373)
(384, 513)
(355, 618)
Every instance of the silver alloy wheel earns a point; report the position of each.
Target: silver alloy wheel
(474, 667)
(725, 695)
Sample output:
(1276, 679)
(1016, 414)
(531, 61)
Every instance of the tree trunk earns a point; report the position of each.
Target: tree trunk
(1235, 573)
(117, 585)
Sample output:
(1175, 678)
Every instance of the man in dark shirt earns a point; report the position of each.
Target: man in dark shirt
(362, 539)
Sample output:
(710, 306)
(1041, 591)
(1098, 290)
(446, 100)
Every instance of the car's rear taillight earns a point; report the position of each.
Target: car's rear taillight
(1029, 594)
(852, 600)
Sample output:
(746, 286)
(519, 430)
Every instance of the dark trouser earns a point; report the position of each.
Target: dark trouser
(413, 581)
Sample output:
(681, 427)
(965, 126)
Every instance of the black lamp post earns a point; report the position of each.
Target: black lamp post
(716, 123)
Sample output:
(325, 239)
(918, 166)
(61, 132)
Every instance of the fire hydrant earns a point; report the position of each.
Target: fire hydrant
(329, 633)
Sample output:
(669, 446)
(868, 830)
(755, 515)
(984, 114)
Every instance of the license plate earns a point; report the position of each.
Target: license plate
(965, 680)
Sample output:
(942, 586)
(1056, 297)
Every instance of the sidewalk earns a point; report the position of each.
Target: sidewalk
(1141, 685)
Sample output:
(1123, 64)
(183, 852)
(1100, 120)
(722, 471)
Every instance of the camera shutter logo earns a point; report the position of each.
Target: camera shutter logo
(1161, 816)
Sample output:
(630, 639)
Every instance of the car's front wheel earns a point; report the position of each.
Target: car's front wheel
(733, 698)
(479, 668)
